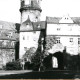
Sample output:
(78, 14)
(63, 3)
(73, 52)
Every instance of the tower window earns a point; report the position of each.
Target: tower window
(71, 39)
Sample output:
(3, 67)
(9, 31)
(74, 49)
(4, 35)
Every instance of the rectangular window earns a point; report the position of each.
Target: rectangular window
(27, 2)
(58, 40)
(23, 38)
(1, 26)
(71, 39)
(78, 40)
(58, 29)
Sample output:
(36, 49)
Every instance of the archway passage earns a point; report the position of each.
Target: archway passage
(59, 56)
(48, 61)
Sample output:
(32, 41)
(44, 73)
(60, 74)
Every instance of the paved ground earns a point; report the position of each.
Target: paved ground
(3, 72)
(40, 75)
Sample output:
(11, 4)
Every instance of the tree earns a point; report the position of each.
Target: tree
(29, 53)
(50, 41)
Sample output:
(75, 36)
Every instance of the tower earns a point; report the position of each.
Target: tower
(30, 8)
(29, 31)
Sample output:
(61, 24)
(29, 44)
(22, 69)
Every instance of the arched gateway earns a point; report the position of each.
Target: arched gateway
(54, 61)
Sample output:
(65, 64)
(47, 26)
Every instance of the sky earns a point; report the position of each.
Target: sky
(9, 9)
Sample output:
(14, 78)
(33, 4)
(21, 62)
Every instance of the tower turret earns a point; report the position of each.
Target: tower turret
(31, 8)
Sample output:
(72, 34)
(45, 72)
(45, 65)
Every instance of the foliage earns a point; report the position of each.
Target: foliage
(13, 66)
(50, 41)
(29, 53)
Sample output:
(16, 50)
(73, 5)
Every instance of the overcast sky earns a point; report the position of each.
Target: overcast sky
(9, 9)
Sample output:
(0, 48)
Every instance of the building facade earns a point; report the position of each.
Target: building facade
(7, 42)
(66, 31)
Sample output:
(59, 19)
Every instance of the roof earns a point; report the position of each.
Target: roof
(7, 25)
(33, 26)
(40, 25)
(55, 20)
(26, 25)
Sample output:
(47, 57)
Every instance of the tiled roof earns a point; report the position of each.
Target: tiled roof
(33, 26)
(5, 28)
(53, 19)
(39, 25)
(7, 25)
(56, 20)
(76, 20)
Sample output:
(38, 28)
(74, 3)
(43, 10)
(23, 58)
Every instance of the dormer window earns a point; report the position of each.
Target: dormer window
(27, 24)
(39, 26)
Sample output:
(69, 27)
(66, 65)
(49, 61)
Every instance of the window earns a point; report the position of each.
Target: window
(71, 39)
(78, 40)
(25, 48)
(27, 2)
(34, 32)
(23, 38)
(9, 35)
(1, 26)
(27, 37)
(58, 40)
(58, 29)
(39, 26)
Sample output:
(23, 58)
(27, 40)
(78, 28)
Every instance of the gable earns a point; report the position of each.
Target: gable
(66, 19)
